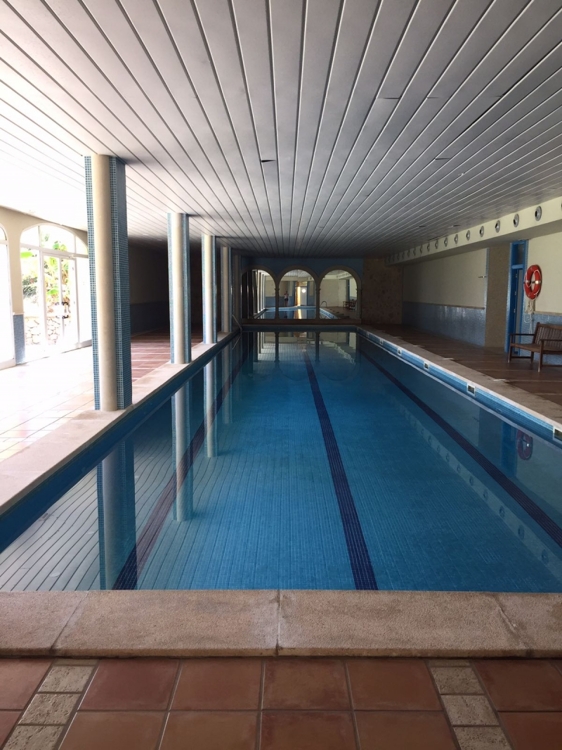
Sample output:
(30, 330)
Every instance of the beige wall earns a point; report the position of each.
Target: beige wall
(148, 275)
(546, 252)
(458, 280)
(496, 302)
(13, 223)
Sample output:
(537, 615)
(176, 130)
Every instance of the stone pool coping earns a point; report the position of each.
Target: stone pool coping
(24, 471)
(427, 624)
(539, 409)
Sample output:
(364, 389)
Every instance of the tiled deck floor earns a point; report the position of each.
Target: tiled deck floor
(492, 362)
(39, 396)
(280, 704)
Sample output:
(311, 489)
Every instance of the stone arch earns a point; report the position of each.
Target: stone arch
(354, 275)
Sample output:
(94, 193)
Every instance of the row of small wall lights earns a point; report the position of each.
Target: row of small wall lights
(497, 227)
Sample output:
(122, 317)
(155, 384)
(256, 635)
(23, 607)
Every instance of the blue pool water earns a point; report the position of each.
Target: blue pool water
(302, 460)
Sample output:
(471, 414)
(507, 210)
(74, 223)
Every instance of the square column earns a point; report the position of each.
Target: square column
(236, 288)
(209, 289)
(180, 288)
(226, 290)
(109, 273)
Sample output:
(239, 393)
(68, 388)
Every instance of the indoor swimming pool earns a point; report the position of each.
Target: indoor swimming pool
(301, 460)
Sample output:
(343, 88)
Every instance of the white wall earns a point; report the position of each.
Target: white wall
(457, 280)
(546, 252)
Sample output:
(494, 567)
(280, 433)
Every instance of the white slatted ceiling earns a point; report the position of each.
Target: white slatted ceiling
(309, 127)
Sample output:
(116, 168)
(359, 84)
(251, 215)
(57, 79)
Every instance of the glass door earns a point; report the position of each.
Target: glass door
(7, 357)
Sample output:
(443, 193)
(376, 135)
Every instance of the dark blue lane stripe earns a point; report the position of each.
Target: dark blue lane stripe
(127, 578)
(529, 506)
(362, 569)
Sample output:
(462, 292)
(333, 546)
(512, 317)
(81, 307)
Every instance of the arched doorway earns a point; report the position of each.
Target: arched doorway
(56, 291)
(7, 357)
(297, 295)
(339, 294)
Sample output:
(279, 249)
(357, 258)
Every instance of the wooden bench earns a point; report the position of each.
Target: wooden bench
(547, 339)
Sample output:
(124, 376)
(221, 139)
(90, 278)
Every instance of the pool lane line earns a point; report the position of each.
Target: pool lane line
(137, 558)
(547, 524)
(361, 566)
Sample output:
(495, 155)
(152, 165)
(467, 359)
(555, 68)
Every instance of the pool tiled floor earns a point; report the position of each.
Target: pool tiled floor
(41, 395)
(280, 704)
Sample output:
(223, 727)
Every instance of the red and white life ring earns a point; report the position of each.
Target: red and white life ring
(533, 282)
(524, 445)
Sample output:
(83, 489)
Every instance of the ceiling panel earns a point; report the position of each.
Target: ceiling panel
(309, 127)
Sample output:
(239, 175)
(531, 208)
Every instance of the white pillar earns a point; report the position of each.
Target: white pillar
(109, 269)
(209, 289)
(180, 288)
(236, 287)
(226, 290)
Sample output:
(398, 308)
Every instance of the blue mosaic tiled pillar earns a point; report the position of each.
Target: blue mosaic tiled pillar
(109, 280)
(180, 288)
(209, 289)
(226, 289)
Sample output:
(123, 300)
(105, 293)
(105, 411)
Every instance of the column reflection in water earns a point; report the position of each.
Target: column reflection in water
(277, 346)
(210, 422)
(181, 439)
(226, 407)
(117, 518)
(317, 346)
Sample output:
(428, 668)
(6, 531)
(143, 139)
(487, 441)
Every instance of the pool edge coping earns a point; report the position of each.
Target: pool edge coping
(280, 623)
(543, 415)
(53, 452)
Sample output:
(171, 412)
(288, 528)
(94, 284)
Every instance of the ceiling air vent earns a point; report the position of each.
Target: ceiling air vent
(456, 239)
(516, 220)
(498, 225)
(446, 241)
(481, 232)
(538, 213)
(468, 235)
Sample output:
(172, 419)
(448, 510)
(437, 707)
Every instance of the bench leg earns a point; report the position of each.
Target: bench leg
(532, 358)
(540, 361)
(509, 353)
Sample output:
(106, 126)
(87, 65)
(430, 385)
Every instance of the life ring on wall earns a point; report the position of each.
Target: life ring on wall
(524, 445)
(533, 282)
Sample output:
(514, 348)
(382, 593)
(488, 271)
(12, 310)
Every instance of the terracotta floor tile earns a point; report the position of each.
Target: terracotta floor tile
(218, 684)
(8, 721)
(19, 679)
(407, 730)
(534, 730)
(387, 684)
(131, 685)
(305, 684)
(213, 730)
(302, 730)
(522, 685)
(114, 731)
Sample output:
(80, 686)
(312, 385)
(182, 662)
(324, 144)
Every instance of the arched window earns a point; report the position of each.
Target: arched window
(297, 295)
(339, 294)
(56, 290)
(6, 322)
